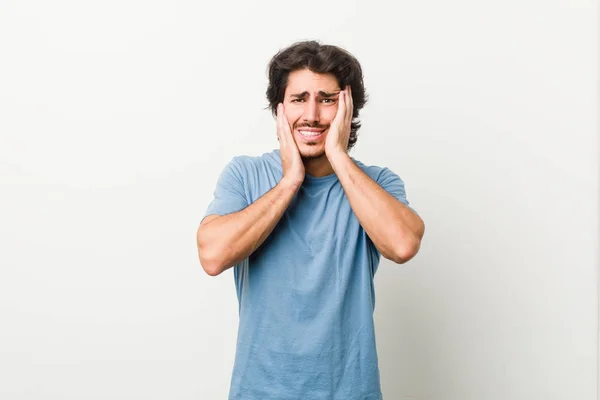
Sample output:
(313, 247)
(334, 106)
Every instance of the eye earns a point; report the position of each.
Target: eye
(297, 100)
(328, 101)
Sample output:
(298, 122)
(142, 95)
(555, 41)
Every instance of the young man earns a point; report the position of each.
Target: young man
(304, 227)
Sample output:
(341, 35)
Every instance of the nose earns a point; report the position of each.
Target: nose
(311, 112)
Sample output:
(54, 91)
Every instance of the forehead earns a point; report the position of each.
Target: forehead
(306, 80)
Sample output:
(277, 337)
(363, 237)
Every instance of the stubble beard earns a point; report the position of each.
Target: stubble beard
(309, 156)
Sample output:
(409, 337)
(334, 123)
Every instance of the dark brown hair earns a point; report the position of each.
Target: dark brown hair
(320, 59)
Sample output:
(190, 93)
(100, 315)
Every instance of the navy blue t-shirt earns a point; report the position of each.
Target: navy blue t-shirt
(306, 295)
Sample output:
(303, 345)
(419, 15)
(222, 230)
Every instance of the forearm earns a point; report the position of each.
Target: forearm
(229, 239)
(394, 228)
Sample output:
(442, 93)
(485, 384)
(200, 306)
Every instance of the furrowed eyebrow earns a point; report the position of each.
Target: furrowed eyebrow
(321, 94)
(299, 95)
(326, 94)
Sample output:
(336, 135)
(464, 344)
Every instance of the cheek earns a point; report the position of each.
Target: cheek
(328, 114)
(293, 116)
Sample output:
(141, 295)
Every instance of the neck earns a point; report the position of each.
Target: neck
(318, 167)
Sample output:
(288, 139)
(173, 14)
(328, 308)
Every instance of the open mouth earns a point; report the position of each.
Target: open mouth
(311, 134)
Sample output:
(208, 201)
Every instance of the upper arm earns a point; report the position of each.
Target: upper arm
(203, 223)
(394, 185)
(208, 218)
(229, 195)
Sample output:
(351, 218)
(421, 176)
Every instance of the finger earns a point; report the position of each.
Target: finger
(285, 125)
(350, 105)
(287, 129)
(341, 111)
(279, 121)
(350, 100)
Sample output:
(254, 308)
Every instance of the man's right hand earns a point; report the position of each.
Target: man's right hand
(291, 161)
(226, 240)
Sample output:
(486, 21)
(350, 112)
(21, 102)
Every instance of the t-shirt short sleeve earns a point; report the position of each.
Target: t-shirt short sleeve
(229, 194)
(394, 185)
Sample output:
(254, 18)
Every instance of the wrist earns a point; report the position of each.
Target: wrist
(290, 184)
(336, 156)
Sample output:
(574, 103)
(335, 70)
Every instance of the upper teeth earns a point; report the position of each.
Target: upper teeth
(309, 133)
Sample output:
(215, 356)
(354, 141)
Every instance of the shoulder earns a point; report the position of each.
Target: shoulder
(387, 179)
(379, 174)
(247, 166)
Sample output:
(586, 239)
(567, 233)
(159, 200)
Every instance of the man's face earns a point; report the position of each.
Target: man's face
(311, 102)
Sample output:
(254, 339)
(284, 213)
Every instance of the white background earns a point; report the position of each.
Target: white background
(116, 118)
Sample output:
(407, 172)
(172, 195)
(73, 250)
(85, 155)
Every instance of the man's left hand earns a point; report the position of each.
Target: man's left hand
(339, 130)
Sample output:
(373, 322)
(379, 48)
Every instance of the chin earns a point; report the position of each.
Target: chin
(312, 153)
